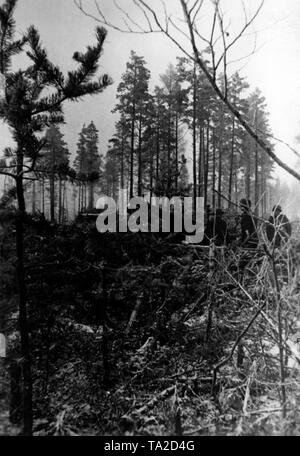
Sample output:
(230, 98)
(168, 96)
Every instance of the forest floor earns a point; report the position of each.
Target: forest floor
(6, 428)
(139, 336)
(166, 390)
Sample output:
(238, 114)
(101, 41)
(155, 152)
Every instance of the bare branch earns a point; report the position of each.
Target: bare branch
(254, 50)
(194, 6)
(213, 27)
(180, 30)
(144, 13)
(127, 15)
(199, 6)
(102, 19)
(241, 33)
(4, 173)
(236, 343)
(270, 135)
(232, 108)
(224, 57)
(163, 30)
(211, 44)
(151, 16)
(166, 16)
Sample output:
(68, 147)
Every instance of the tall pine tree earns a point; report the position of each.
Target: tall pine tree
(55, 162)
(132, 94)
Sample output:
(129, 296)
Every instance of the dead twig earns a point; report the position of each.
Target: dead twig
(222, 363)
(134, 314)
(160, 397)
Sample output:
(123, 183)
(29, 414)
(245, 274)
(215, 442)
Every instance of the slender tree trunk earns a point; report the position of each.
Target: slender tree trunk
(220, 175)
(132, 154)
(79, 197)
(256, 184)
(91, 195)
(157, 153)
(248, 176)
(230, 185)
(169, 147)
(220, 159)
(194, 137)
(206, 164)
(176, 152)
(122, 160)
(33, 197)
(140, 159)
(52, 197)
(64, 202)
(133, 119)
(236, 187)
(52, 186)
(59, 199)
(23, 320)
(200, 165)
(82, 197)
(43, 195)
(74, 194)
(214, 173)
(151, 170)
(263, 184)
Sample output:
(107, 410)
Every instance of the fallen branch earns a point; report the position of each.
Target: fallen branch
(134, 314)
(290, 346)
(162, 396)
(220, 364)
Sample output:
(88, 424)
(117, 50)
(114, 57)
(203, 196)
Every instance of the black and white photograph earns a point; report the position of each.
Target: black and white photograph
(149, 221)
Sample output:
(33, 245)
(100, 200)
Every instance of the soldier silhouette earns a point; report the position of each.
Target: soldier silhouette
(216, 229)
(249, 238)
(278, 229)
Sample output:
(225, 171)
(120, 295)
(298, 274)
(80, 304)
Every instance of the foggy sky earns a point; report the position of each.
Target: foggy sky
(274, 68)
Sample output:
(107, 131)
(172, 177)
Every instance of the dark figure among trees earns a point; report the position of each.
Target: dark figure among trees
(249, 238)
(278, 229)
(216, 230)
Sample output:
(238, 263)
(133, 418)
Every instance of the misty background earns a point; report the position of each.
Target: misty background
(274, 68)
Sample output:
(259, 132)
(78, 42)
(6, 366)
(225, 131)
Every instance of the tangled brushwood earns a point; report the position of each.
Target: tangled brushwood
(134, 335)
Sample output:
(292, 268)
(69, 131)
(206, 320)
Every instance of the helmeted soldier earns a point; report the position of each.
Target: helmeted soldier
(216, 229)
(249, 237)
(278, 228)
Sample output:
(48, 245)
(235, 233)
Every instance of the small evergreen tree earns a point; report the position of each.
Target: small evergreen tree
(32, 101)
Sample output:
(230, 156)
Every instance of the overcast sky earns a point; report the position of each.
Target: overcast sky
(274, 68)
